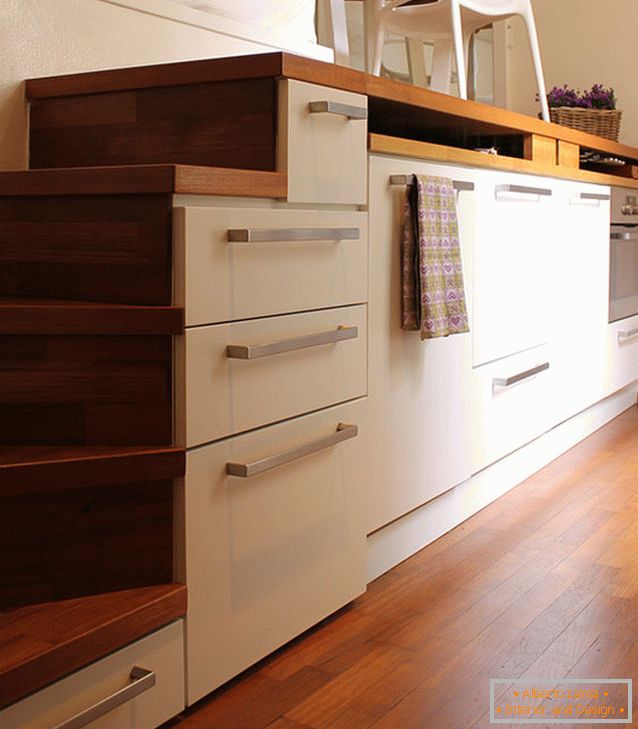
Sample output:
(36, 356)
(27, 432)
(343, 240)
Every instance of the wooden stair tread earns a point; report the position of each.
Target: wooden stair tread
(148, 179)
(42, 643)
(48, 316)
(37, 469)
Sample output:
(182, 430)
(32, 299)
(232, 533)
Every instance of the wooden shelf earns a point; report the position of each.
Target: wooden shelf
(38, 469)
(42, 643)
(145, 179)
(47, 316)
(381, 144)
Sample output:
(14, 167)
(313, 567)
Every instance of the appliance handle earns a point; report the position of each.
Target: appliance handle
(458, 185)
(524, 190)
(623, 236)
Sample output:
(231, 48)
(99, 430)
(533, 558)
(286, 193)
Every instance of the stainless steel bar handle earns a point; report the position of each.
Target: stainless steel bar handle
(266, 235)
(334, 107)
(459, 185)
(594, 196)
(623, 236)
(627, 335)
(141, 681)
(543, 191)
(254, 351)
(344, 431)
(507, 381)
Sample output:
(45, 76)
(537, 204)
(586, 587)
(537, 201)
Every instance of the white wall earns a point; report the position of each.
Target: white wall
(49, 37)
(582, 42)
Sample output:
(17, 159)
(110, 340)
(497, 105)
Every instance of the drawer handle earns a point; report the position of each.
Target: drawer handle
(264, 235)
(344, 431)
(253, 351)
(333, 107)
(627, 335)
(458, 185)
(141, 681)
(593, 196)
(544, 191)
(507, 381)
(623, 236)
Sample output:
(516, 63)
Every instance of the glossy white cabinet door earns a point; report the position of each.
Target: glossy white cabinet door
(418, 391)
(324, 152)
(580, 299)
(218, 395)
(303, 264)
(516, 223)
(512, 404)
(621, 365)
(270, 555)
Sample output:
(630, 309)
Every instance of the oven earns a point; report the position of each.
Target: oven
(623, 250)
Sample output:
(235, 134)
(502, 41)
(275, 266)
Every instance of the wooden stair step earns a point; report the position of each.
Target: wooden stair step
(38, 469)
(143, 179)
(42, 643)
(51, 316)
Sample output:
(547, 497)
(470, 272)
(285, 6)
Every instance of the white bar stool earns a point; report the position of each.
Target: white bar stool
(450, 24)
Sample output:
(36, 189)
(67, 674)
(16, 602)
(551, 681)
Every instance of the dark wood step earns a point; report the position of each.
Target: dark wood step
(25, 469)
(42, 643)
(51, 316)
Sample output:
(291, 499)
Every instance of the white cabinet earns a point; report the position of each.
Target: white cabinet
(512, 404)
(513, 265)
(419, 393)
(271, 554)
(323, 143)
(157, 690)
(580, 297)
(279, 260)
(621, 350)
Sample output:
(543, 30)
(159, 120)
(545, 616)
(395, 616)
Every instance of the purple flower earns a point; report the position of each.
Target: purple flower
(596, 98)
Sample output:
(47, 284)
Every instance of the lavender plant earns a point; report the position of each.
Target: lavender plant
(597, 97)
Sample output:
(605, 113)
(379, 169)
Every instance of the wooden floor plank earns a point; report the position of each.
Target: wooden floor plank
(542, 583)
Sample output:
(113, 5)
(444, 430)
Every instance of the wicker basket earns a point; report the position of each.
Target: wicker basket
(602, 122)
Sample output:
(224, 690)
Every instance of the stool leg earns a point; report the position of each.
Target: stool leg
(457, 33)
(416, 61)
(528, 16)
(441, 66)
(374, 35)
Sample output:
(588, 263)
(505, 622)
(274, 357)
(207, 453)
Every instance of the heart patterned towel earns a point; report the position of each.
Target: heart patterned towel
(433, 295)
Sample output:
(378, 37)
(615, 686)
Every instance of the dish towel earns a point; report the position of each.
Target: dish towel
(433, 296)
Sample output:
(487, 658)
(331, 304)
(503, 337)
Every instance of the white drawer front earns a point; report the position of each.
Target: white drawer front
(506, 416)
(622, 354)
(225, 395)
(162, 653)
(270, 555)
(325, 153)
(220, 280)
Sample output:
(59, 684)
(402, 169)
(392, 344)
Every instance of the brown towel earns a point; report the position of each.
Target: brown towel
(433, 296)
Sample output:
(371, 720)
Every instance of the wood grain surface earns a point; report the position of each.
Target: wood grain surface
(109, 248)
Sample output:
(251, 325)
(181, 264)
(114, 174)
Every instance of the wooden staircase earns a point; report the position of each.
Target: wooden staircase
(87, 461)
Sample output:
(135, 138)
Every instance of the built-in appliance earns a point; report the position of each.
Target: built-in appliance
(623, 264)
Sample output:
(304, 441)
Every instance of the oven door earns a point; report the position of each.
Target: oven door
(623, 272)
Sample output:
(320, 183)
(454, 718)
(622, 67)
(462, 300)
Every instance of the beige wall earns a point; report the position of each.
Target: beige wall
(582, 42)
(48, 37)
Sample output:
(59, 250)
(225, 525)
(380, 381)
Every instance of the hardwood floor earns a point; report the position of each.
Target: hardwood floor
(542, 583)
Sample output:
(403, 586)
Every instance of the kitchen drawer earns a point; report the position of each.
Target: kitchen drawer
(323, 152)
(322, 362)
(161, 653)
(622, 354)
(272, 554)
(303, 265)
(511, 404)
